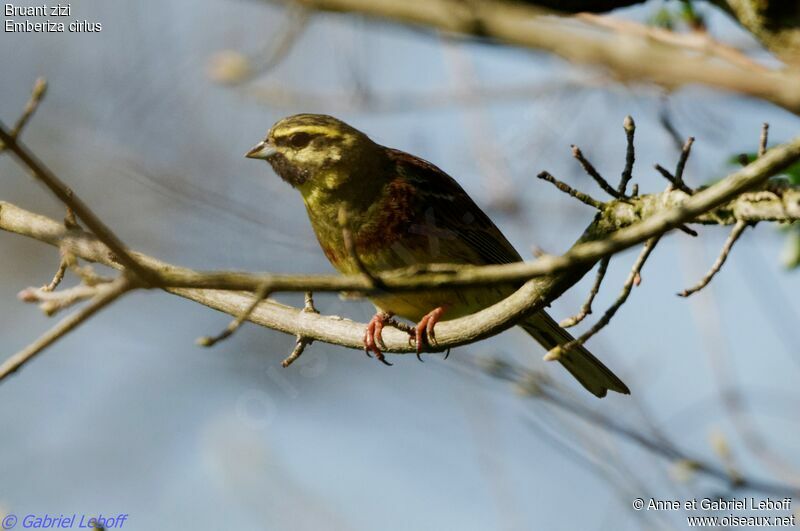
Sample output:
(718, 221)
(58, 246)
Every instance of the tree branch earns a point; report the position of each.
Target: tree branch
(65, 194)
(106, 294)
(737, 231)
(629, 55)
(780, 203)
(620, 224)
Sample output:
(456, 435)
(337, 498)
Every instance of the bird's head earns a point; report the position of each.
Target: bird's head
(316, 151)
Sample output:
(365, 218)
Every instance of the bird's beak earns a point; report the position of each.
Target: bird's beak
(262, 150)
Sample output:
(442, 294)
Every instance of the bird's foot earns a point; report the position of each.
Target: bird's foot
(423, 332)
(373, 339)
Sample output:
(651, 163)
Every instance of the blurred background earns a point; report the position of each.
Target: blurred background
(148, 121)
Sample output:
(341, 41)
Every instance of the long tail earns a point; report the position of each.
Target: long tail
(587, 369)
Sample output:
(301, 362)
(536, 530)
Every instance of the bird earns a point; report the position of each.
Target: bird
(375, 209)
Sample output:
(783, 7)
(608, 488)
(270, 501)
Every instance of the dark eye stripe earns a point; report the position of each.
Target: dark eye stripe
(296, 140)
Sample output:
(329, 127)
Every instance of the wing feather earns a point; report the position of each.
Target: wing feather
(452, 209)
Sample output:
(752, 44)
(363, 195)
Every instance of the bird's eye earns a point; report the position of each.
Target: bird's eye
(299, 140)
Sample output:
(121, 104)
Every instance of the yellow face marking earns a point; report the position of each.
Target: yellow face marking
(285, 131)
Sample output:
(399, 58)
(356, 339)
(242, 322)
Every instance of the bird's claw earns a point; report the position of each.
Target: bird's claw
(424, 331)
(373, 338)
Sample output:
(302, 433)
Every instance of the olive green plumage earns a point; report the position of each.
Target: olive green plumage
(402, 211)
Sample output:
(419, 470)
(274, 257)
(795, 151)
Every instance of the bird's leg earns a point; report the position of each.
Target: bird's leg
(423, 332)
(373, 339)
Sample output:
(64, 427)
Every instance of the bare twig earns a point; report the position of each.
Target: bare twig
(762, 142)
(37, 95)
(567, 189)
(63, 264)
(299, 347)
(676, 184)
(737, 231)
(68, 197)
(586, 309)
(301, 341)
(558, 351)
(209, 341)
(52, 302)
(106, 294)
(594, 174)
(687, 148)
(627, 173)
(308, 303)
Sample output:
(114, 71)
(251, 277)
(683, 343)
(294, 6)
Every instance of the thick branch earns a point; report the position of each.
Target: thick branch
(782, 203)
(622, 224)
(627, 54)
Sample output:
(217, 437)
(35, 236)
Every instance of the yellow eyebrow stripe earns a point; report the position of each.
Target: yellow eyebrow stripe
(310, 129)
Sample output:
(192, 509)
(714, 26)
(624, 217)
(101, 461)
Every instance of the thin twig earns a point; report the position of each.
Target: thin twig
(301, 341)
(627, 173)
(737, 231)
(685, 151)
(762, 142)
(300, 345)
(558, 351)
(676, 184)
(106, 294)
(63, 265)
(594, 174)
(51, 302)
(308, 303)
(68, 197)
(37, 95)
(66, 259)
(567, 189)
(586, 309)
(209, 341)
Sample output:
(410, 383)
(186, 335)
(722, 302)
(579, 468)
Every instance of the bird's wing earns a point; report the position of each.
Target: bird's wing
(466, 233)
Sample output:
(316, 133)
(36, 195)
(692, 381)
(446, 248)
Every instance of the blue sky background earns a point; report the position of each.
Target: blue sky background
(127, 415)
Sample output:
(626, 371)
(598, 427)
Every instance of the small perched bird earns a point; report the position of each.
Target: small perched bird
(381, 209)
